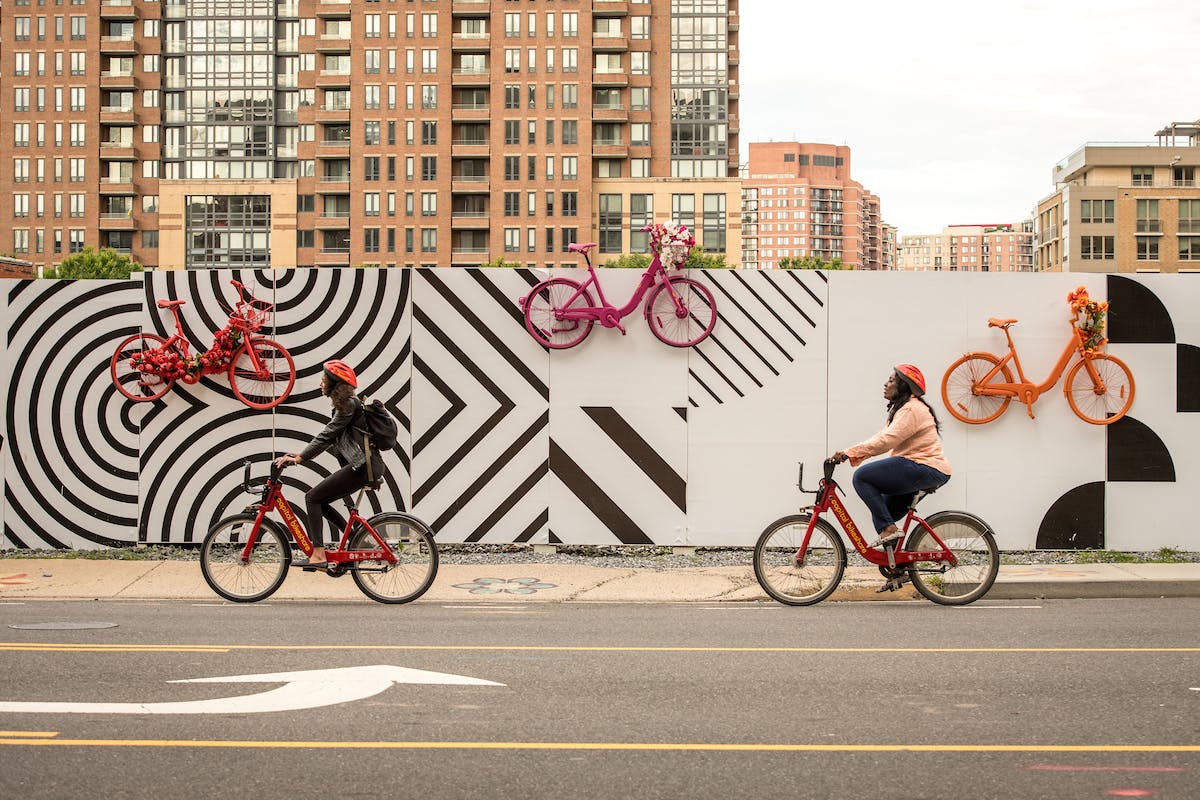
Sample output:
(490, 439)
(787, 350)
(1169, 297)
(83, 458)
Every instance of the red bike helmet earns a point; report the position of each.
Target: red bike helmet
(343, 372)
(913, 377)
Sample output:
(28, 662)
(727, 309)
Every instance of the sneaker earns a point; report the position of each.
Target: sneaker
(894, 536)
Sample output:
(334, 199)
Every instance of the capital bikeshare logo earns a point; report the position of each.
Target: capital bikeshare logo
(285, 511)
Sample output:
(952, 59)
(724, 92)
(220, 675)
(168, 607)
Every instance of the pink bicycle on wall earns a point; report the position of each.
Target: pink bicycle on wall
(560, 312)
(261, 372)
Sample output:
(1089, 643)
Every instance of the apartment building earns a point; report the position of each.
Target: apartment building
(1003, 247)
(1125, 207)
(799, 200)
(254, 133)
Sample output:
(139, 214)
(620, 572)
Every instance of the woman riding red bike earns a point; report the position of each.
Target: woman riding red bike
(916, 461)
(338, 383)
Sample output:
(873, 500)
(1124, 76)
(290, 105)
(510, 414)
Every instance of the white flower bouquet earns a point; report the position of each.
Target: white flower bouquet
(672, 242)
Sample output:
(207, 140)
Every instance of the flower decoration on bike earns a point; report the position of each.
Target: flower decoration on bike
(1089, 317)
(672, 242)
(171, 366)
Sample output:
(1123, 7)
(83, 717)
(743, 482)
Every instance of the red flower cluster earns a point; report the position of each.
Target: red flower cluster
(216, 359)
(169, 365)
(166, 363)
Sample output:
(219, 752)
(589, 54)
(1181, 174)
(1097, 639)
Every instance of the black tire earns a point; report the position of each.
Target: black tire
(973, 545)
(806, 583)
(412, 541)
(245, 581)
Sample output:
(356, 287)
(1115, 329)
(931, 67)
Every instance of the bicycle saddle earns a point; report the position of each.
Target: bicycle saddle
(171, 303)
(581, 248)
(994, 322)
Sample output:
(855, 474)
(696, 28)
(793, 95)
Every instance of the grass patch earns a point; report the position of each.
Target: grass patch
(1106, 557)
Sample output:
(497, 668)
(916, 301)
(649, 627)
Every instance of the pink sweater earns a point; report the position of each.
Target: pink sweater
(911, 434)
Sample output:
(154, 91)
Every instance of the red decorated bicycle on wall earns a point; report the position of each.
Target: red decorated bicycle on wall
(261, 372)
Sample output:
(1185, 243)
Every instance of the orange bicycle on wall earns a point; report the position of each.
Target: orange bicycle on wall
(978, 387)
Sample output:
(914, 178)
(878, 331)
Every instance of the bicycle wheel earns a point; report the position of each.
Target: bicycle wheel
(1100, 406)
(553, 295)
(974, 547)
(790, 578)
(412, 542)
(959, 389)
(266, 387)
(238, 579)
(689, 323)
(133, 383)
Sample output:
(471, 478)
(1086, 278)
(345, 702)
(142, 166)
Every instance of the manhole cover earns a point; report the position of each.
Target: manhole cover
(63, 626)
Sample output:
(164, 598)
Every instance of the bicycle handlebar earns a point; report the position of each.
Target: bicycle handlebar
(829, 465)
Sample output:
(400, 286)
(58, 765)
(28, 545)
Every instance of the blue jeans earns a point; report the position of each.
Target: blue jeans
(887, 486)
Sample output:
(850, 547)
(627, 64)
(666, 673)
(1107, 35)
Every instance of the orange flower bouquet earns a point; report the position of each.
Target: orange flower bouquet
(1089, 317)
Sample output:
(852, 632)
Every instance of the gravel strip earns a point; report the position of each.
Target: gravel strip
(620, 557)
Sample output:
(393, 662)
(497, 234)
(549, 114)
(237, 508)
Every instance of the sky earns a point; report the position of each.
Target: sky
(956, 112)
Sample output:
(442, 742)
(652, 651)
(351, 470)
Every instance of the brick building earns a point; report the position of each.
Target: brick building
(1002, 247)
(248, 133)
(799, 200)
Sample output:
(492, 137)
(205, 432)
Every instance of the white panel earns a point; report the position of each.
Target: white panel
(481, 408)
(757, 390)
(599, 493)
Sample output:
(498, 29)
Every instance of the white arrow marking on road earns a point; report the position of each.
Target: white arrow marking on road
(306, 689)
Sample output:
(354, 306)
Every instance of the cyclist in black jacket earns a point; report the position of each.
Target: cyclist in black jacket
(337, 383)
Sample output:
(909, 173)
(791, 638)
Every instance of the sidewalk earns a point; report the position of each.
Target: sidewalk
(83, 579)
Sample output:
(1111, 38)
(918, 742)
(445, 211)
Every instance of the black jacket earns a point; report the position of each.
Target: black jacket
(341, 435)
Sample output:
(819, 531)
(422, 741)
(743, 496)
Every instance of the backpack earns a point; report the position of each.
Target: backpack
(379, 425)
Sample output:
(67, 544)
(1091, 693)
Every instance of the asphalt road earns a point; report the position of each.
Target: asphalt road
(1057, 699)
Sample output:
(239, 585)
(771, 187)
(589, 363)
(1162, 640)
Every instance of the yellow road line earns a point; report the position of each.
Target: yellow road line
(622, 746)
(216, 648)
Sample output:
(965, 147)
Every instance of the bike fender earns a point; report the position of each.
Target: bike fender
(933, 518)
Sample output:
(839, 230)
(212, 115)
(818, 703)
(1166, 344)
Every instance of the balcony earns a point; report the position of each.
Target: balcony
(334, 8)
(333, 257)
(117, 184)
(610, 8)
(330, 43)
(117, 9)
(610, 78)
(338, 184)
(471, 77)
(474, 220)
(471, 42)
(333, 220)
(609, 148)
(118, 79)
(610, 113)
(471, 8)
(469, 148)
(117, 44)
(333, 79)
(479, 112)
(735, 56)
(117, 115)
(609, 43)
(470, 184)
(469, 256)
(336, 144)
(116, 221)
(117, 151)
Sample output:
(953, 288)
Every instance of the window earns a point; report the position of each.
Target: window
(639, 27)
(512, 59)
(512, 131)
(639, 133)
(639, 98)
(1189, 216)
(1147, 217)
(570, 95)
(512, 204)
(713, 236)
(429, 133)
(428, 240)
(570, 204)
(371, 132)
(570, 131)
(683, 210)
(611, 223)
(149, 240)
(1093, 248)
(569, 235)
(1096, 210)
(570, 168)
(512, 168)
(371, 240)
(570, 59)
(429, 168)
(1189, 248)
(429, 204)
(370, 204)
(1147, 248)
(641, 214)
(512, 240)
(1143, 176)
(512, 96)
(371, 168)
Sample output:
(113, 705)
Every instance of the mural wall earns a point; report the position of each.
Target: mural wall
(619, 440)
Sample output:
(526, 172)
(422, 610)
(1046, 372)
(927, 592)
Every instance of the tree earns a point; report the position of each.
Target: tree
(107, 263)
(809, 262)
